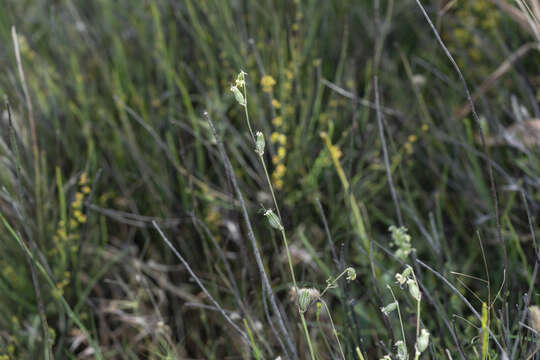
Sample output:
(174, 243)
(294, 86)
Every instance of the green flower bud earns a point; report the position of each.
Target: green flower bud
(238, 96)
(273, 220)
(389, 308)
(259, 143)
(423, 341)
(402, 353)
(414, 290)
(305, 297)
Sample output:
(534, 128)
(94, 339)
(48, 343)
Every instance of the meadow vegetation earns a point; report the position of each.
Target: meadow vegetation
(269, 179)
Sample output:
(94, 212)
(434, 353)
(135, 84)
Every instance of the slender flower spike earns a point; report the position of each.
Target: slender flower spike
(273, 220)
(414, 290)
(238, 95)
(259, 143)
(389, 308)
(423, 341)
(351, 274)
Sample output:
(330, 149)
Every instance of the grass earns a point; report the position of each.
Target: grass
(131, 191)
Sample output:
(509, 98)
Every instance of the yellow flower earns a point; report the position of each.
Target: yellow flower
(274, 137)
(277, 121)
(281, 152)
(268, 83)
(335, 152)
(79, 196)
(83, 179)
(275, 160)
(278, 184)
(280, 170)
(81, 218)
(408, 148)
(289, 74)
(86, 189)
(282, 139)
(276, 104)
(425, 127)
(412, 138)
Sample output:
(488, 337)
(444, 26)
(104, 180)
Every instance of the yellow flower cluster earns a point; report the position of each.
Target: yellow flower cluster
(470, 17)
(280, 139)
(268, 83)
(78, 217)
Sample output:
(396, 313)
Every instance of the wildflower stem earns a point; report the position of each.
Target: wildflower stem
(333, 328)
(283, 235)
(331, 284)
(399, 313)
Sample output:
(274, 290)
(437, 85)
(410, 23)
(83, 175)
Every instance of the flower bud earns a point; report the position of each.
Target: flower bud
(238, 96)
(351, 274)
(273, 219)
(305, 297)
(423, 341)
(404, 276)
(402, 353)
(414, 290)
(259, 143)
(389, 308)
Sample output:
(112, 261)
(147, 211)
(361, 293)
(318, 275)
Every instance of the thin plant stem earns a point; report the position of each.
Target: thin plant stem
(283, 235)
(332, 283)
(399, 313)
(253, 241)
(333, 328)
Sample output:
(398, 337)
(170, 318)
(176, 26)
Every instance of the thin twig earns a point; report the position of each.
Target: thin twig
(385, 151)
(198, 281)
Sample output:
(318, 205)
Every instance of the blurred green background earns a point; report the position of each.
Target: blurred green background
(107, 134)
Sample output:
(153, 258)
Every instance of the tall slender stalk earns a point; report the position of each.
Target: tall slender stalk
(241, 81)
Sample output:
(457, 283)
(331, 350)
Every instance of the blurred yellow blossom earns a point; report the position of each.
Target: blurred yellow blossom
(268, 83)
(277, 121)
